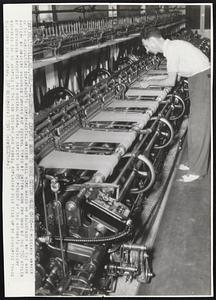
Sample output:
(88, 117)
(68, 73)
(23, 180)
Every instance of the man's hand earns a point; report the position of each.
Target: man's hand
(150, 78)
(144, 84)
(157, 81)
(147, 78)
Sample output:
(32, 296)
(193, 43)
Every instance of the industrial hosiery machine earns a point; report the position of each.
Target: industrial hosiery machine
(100, 158)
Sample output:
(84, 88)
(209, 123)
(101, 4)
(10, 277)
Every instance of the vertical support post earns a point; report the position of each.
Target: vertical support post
(36, 15)
(55, 17)
(202, 19)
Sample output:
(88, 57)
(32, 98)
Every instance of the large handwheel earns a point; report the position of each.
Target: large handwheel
(97, 74)
(145, 175)
(55, 96)
(178, 107)
(166, 133)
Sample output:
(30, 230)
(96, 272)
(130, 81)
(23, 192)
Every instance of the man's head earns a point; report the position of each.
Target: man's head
(152, 40)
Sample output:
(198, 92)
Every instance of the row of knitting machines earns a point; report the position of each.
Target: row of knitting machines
(101, 156)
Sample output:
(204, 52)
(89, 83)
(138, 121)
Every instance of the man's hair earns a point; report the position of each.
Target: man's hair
(150, 32)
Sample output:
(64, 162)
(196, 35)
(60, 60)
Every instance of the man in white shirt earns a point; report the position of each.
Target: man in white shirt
(184, 59)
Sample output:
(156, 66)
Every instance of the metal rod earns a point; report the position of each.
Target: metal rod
(60, 232)
(95, 10)
(149, 242)
(126, 185)
(149, 146)
(45, 209)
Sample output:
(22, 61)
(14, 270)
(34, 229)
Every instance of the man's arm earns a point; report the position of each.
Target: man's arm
(169, 80)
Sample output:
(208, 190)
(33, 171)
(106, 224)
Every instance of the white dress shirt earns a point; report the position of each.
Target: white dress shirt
(184, 59)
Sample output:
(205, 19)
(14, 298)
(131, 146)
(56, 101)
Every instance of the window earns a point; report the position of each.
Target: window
(112, 11)
(45, 17)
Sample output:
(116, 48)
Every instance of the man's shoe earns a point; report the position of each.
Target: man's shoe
(183, 167)
(189, 178)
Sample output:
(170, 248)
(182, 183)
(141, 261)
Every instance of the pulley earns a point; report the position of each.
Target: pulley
(146, 273)
(185, 85)
(135, 256)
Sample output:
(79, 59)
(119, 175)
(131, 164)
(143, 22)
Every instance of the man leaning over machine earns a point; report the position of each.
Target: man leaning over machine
(184, 59)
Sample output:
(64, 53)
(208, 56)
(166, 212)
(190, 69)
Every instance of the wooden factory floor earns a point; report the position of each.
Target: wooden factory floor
(182, 257)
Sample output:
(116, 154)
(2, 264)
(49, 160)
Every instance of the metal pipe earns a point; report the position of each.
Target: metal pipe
(108, 239)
